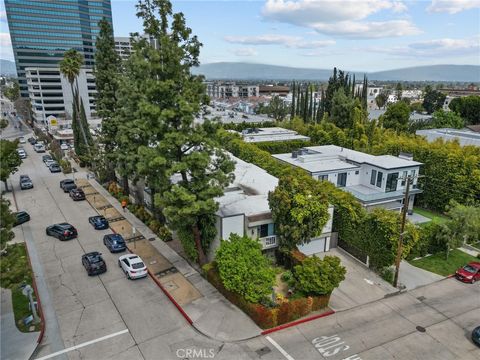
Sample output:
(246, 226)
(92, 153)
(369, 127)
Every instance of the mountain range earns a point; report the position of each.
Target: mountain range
(7, 68)
(251, 71)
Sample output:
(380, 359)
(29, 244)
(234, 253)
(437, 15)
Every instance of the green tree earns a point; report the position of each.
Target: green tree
(107, 74)
(299, 212)
(10, 160)
(432, 99)
(277, 109)
(465, 222)
(447, 119)
(319, 277)
(6, 223)
(397, 116)
(467, 107)
(399, 91)
(243, 269)
(342, 109)
(70, 67)
(13, 92)
(381, 100)
(163, 100)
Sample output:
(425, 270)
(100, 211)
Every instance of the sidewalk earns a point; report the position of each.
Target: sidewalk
(15, 345)
(211, 314)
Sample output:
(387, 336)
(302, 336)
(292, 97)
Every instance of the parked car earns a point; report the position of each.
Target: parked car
(22, 140)
(476, 336)
(64, 146)
(22, 153)
(21, 217)
(25, 182)
(469, 273)
(49, 162)
(62, 231)
(46, 158)
(77, 194)
(32, 140)
(39, 148)
(54, 168)
(114, 243)
(67, 185)
(133, 266)
(94, 263)
(98, 222)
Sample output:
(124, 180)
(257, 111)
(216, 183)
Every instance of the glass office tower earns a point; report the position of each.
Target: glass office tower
(42, 30)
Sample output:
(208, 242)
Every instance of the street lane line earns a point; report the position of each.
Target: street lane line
(83, 345)
(279, 348)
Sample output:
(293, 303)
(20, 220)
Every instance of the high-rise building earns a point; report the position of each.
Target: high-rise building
(123, 46)
(41, 32)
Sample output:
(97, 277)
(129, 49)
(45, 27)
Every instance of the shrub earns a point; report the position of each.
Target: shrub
(243, 268)
(164, 234)
(387, 274)
(66, 166)
(319, 277)
(287, 277)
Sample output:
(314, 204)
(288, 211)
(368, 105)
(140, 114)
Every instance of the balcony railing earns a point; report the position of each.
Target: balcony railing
(380, 196)
(269, 241)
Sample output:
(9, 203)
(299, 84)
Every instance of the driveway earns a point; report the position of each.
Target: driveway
(360, 286)
(412, 277)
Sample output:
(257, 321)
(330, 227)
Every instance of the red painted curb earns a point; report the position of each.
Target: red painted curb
(297, 322)
(34, 284)
(177, 305)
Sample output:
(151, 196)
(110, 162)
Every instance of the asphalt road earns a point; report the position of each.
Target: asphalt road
(448, 310)
(81, 309)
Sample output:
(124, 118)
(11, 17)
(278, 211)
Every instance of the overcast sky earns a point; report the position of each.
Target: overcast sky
(367, 35)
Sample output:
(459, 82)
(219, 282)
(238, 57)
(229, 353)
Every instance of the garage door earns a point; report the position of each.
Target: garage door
(316, 246)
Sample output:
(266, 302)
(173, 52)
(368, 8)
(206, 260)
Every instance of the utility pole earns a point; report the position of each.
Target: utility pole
(402, 231)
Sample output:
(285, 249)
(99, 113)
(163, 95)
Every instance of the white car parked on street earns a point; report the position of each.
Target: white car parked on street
(133, 266)
(64, 146)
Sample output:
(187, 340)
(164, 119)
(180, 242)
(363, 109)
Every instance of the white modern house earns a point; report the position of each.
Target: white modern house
(463, 136)
(244, 210)
(376, 181)
(256, 135)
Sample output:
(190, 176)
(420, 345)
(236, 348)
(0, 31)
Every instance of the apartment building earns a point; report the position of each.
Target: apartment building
(256, 135)
(50, 93)
(375, 181)
(244, 210)
(219, 90)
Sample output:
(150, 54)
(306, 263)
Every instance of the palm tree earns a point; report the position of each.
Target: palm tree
(70, 68)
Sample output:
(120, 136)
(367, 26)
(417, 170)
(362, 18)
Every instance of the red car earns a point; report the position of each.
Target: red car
(469, 273)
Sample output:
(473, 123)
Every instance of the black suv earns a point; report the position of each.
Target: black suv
(21, 217)
(25, 182)
(67, 185)
(54, 168)
(32, 140)
(77, 194)
(93, 263)
(46, 157)
(63, 231)
(114, 242)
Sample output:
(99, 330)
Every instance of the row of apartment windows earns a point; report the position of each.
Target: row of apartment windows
(52, 34)
(56, 20)
(54, 48)
(53, 27)
(60, 13)
(54, 41)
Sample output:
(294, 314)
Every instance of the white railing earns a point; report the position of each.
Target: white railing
(269, 241)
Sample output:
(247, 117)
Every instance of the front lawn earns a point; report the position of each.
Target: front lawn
(15, 270)
(440, 218)
(437, 263)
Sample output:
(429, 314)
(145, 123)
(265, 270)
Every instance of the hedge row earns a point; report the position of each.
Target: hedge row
(266, 317)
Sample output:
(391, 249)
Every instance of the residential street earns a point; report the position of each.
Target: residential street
(79, 308)
(386, 329)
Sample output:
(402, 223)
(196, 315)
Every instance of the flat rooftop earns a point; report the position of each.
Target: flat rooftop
(331, 157)
(255, 135)
(464, 136)
(248, 194)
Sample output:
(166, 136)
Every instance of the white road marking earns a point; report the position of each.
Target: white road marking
(279, 348)
(83, 345)
(368, 281)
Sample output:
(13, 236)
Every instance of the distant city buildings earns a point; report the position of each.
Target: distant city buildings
(225, 90)
(256, 135)
(123, 47)
(41, 32)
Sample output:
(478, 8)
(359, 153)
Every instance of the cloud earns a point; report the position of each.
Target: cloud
(452, 6)
(6, 51)
(274, 39)
(3, 16)
(434, 48)
(245, 52)
(341, 18)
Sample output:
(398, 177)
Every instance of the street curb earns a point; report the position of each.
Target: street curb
(297, 322)
(34, 283)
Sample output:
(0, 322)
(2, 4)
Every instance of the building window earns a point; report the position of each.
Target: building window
(342, 180)
(391, 182)
(269, 241)
(357, 172)
(404, 178)
(379, 179)
(266, 230)
(323, 177)
(373, 177)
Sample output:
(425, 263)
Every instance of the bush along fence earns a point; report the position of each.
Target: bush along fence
(268, 316)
